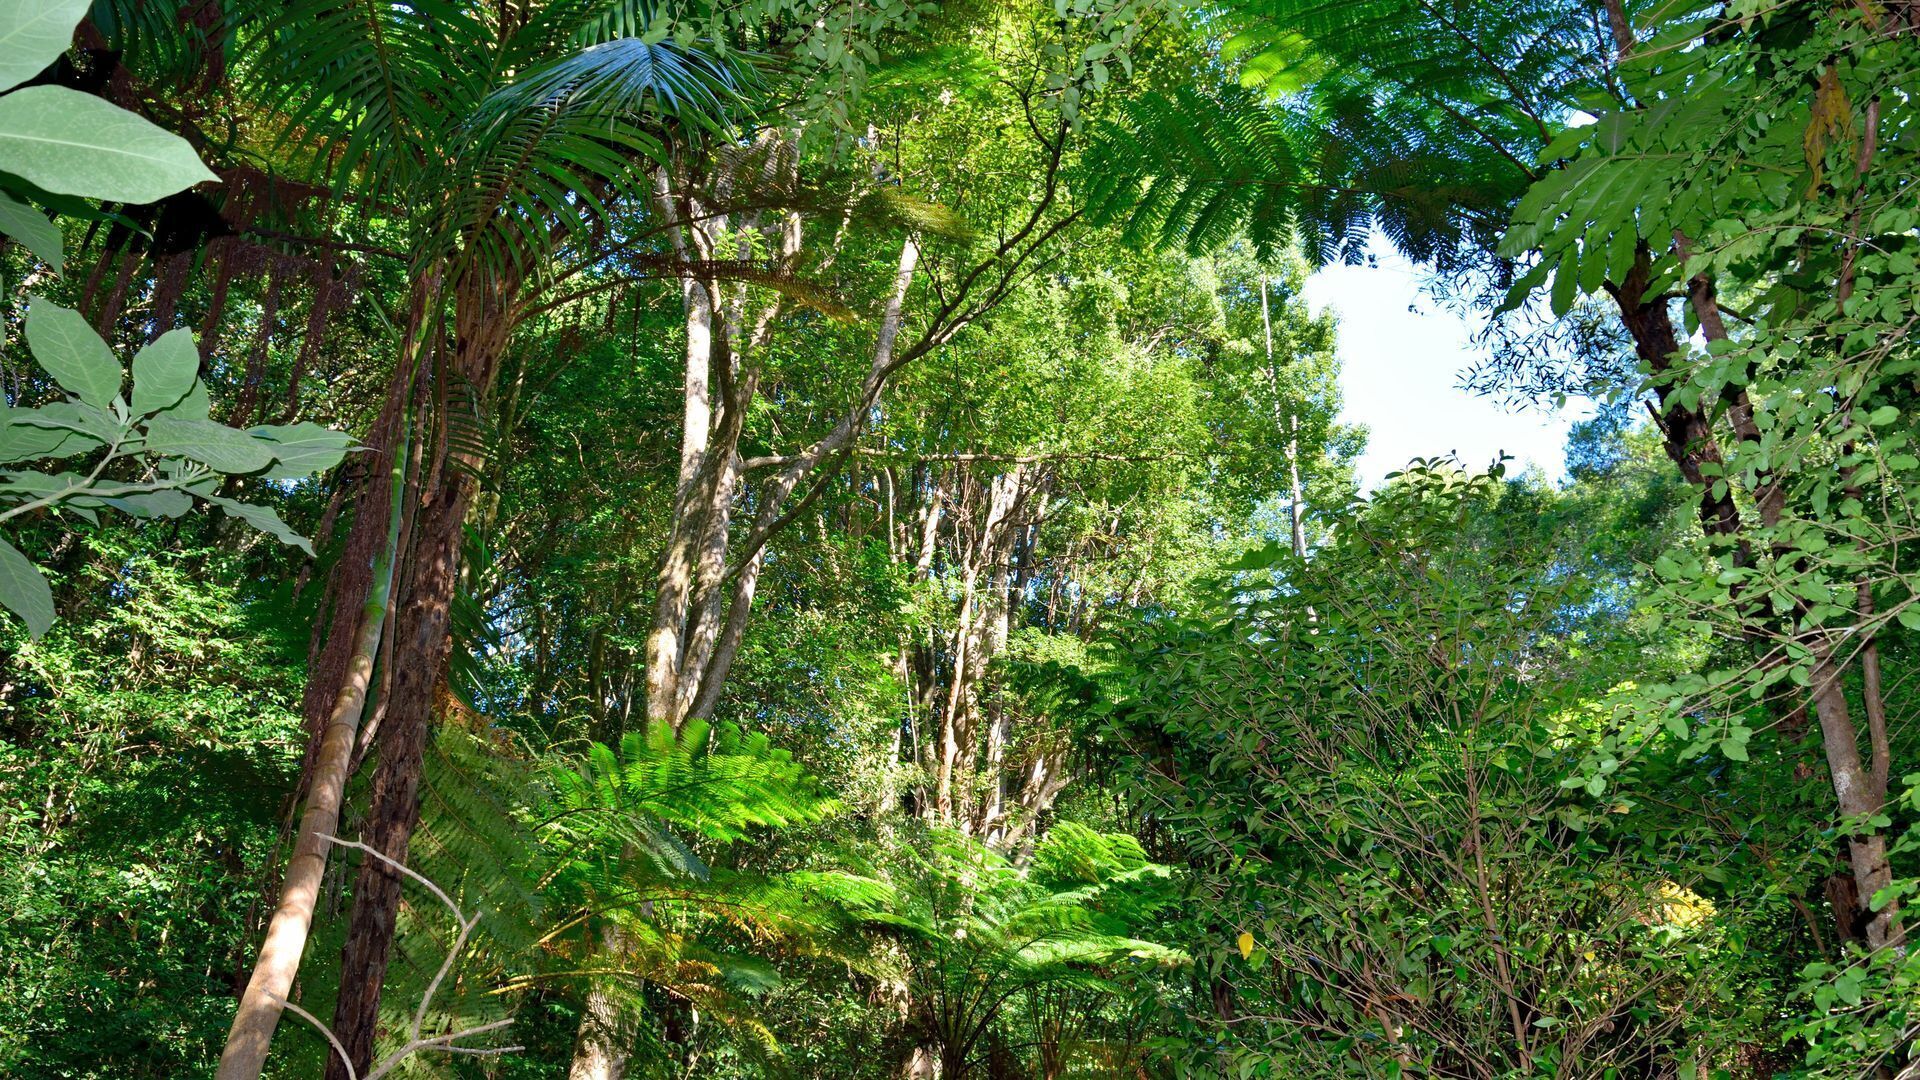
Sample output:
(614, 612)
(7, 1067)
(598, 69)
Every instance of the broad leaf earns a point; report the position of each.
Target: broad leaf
(303, 449)
(218, 447)
(164, 371)
(72, 353)
(77, 144)
(34, 232)
(21, 441)
(149, 504)
(36, 485)
(96, 424)
(33, 34)
(264, 519)
(195, 406)
(24, 591)
(190, 478)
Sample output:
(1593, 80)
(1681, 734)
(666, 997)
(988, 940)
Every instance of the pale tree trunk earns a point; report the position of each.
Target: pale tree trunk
(1042, 779)
(709, 577)
(265, 996)
(693, 498)
(978, 633)
(685, 682)
(1858, 797)
(1285, 419)
(600, 1052)
(921, 1064)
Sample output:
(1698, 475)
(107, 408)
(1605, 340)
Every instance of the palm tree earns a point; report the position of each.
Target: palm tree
(492, 142)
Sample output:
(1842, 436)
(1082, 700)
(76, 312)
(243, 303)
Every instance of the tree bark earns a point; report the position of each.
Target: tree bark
(1857, 796)
(598, 1051)
(422, 646)
(265, 996)
(420, 659)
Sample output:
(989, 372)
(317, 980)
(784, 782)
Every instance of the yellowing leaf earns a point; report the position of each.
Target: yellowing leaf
(1246, 945)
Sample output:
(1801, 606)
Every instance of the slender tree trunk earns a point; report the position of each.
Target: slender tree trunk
(687, 664)
(1857, 796)
(1297, 507)
(420, 659)
(1690, 443)
(265, 996)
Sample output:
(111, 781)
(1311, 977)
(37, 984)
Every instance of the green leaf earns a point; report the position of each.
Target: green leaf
(20, 441)
(77, 144)
(1849, 985)
(170, 503)
(216, 446)
(1524, 286)
(190, 477)
(72, 353)
(1566, 280)
(24, 590)
(38, 484)
(303, 449)
(1733, 749)
(33, 34)
(35, 233)
(1884, 415)
(264, 519)
(97, 424)
(164, 371)
(195, 406)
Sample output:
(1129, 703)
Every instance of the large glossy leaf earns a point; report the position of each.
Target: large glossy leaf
(77, 144)
(72, 353)
(34, 232)
(164, 371)
(216, 446)
(33, 34)
(24, 591)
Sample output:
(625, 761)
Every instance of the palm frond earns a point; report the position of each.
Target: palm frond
(628, 77)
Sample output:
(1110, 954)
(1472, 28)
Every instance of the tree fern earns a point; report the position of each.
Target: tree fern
(1420, 118)
(981, 932)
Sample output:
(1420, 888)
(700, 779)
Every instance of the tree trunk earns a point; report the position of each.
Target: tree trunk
(265, 996)
(420, 659)
(599, 1051)
(421, 647)
(675, 581)
(1857, 795)
(1690, 443)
